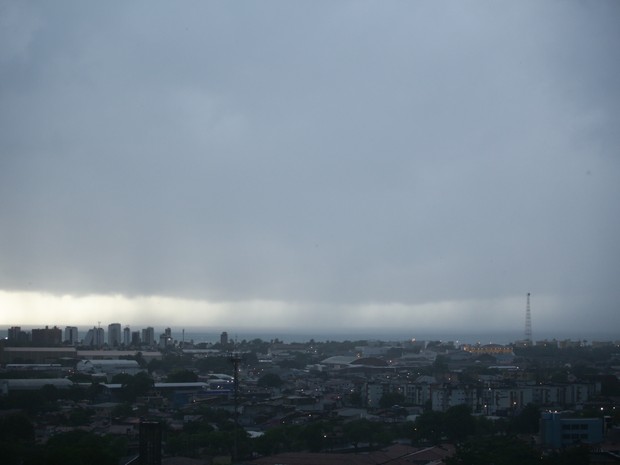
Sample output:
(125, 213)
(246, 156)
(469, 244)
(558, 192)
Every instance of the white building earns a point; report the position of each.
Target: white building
(445, 397)
(373, 392)
(108, 367)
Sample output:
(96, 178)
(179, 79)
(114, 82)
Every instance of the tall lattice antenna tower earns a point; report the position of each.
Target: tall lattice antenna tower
(528, 321)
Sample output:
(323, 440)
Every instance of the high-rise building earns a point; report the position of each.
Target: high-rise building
(148, 336)
(99, 337)
(135, 338)
(89, 338)
(71, 335)
(95, 337)
(114, 334)
(17, 336)
(165, 339)
(13, 332)
(150, 443)
(47, 336)
(224, 338)
(126, 336)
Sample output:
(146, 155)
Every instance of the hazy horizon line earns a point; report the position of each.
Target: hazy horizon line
(299, 335)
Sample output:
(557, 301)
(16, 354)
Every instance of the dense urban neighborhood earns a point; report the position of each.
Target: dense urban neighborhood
(137, 400)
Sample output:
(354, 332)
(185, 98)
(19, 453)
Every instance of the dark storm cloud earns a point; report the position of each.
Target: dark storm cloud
(328, 152)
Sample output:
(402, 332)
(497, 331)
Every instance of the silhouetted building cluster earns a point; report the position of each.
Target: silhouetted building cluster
(95, 337)
(46, 337)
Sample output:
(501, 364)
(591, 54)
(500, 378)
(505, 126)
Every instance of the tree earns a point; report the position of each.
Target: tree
(390, 399)
(80, 416)
(485, 426)
(354, 399)
(140, 359)
(299, 361)
(16, 438)
(270, 380)
(441, 363)
(527, 421)
(133, 386)
(173, 362)
(154, 365)
(78, 377)
(250, 359)
(16, 427)
(393, 353)
(313, 434)
(81, 448)
(429, 426)
(458, 423)
(357, 431)
(494, 451)
(182, 376)
(579, 455)
(215, 365)
(95, 391)
(121, 378)
(122, 410)
(278, 439)
(610, 385)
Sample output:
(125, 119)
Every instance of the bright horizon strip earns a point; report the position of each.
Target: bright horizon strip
(20, 308)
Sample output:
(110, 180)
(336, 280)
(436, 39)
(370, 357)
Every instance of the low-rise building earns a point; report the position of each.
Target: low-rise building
(35, 354)
(117, 354)
(109, 368)
(35, 384)
(557, 430)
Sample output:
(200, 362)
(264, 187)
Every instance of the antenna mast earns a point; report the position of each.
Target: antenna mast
(528, 322)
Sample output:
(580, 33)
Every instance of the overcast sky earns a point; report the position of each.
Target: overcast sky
(300, 166)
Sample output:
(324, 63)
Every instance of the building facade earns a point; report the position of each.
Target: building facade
(558, 431)
(18, 337)
(148, 336)
(95, 337)
(71, 335)
(114, 334)
(46, 337)
(126, 336)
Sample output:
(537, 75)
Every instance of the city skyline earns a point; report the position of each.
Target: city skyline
(311, 167)
(145, 332)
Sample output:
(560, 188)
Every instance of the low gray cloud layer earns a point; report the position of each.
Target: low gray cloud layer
(345, 153)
